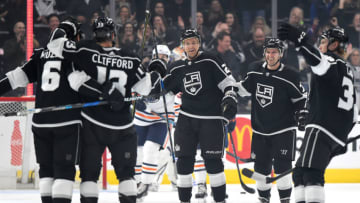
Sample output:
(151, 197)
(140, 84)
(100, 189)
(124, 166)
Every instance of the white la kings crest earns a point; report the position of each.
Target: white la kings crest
(264, 94)
(192, 83)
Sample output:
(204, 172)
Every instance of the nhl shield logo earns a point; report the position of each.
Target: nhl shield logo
(192, 83)
(264, 94)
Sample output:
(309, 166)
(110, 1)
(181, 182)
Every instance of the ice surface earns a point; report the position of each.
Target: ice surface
(335, 193)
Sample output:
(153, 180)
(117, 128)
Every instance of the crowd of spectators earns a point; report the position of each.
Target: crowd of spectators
(234, 30)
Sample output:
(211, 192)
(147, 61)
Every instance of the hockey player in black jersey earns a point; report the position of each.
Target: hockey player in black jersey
(276, 94)
(105, 72)
(332, 110)
(56, 134)
(208, 99)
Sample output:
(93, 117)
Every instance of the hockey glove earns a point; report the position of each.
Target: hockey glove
(300, 117)
(113, 96)
(291, 33)
(159, 66)
(229, 105)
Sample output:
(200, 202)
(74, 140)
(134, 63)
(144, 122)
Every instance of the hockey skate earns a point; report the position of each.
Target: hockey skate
(142, 191)
(201, 193)
(264, 200)
(285, 201)
(154, 187)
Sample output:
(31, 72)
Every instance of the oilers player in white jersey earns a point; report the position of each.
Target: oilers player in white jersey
(150, 125)
(332, 109)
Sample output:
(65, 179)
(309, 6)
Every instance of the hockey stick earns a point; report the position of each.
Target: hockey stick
(248, 160)
(74, 106)
(260, 177)
(147, 18)
(245, 187)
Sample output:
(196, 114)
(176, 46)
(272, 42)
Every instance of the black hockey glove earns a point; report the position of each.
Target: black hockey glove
(300, 117)
(229, 105)
(113, 96)
(291, 33)
(159, 66)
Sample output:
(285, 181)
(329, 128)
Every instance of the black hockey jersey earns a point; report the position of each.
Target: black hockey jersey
(202, 82)
(275, 96)
(52, 89)
(332, 98)
(104, 64)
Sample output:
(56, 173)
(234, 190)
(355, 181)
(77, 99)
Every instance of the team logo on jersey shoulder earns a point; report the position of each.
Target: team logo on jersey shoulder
(70, 45)
(192, 83)
(264, 94)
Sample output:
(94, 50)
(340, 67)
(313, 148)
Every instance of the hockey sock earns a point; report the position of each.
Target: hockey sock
(89, 192)
(139, 161)
(62, 190)
(199, 169)
(263, 190)
(314, 194)
(150, 160)
(218, 186)
(127, 191)
(284, 186)
(299, 194)
(45, 185)
(184, 184)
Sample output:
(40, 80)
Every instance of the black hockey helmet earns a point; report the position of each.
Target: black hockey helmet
(103, 27)
(273, 43)
(336, 34)
(71, 27)
(190, 33)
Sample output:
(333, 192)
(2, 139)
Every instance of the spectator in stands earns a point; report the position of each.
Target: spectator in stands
(125, 16)
(159, 9)
(346, 11)
(163, 33)
(15, 52)
(43, 34)
(225, 51)
(354, 61)
(118, 4)
(254, 50)
(43, 8)
(296, 19)
(250, 11)
(84, 9)
(15, 48)
(202, 29)
(215, 15)
(179, 11)
(145, 52)
(321, 11)
(353, 31)
(127, 38)
(232, 21)
(259, 22)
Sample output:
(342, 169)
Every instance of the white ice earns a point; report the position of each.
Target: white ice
(335, 193)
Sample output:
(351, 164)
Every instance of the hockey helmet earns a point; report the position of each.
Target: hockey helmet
(273, 43)
(336, 34)
(71, 27)
(161, 49)
(190, 33)
(103, 28)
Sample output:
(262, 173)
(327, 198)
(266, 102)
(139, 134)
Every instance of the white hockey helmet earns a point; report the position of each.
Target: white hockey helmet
(162, 49)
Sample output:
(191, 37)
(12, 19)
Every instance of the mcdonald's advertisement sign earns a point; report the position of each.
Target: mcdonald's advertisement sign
(241, 135)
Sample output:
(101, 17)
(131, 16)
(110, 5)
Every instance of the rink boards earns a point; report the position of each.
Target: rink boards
(342, 169)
